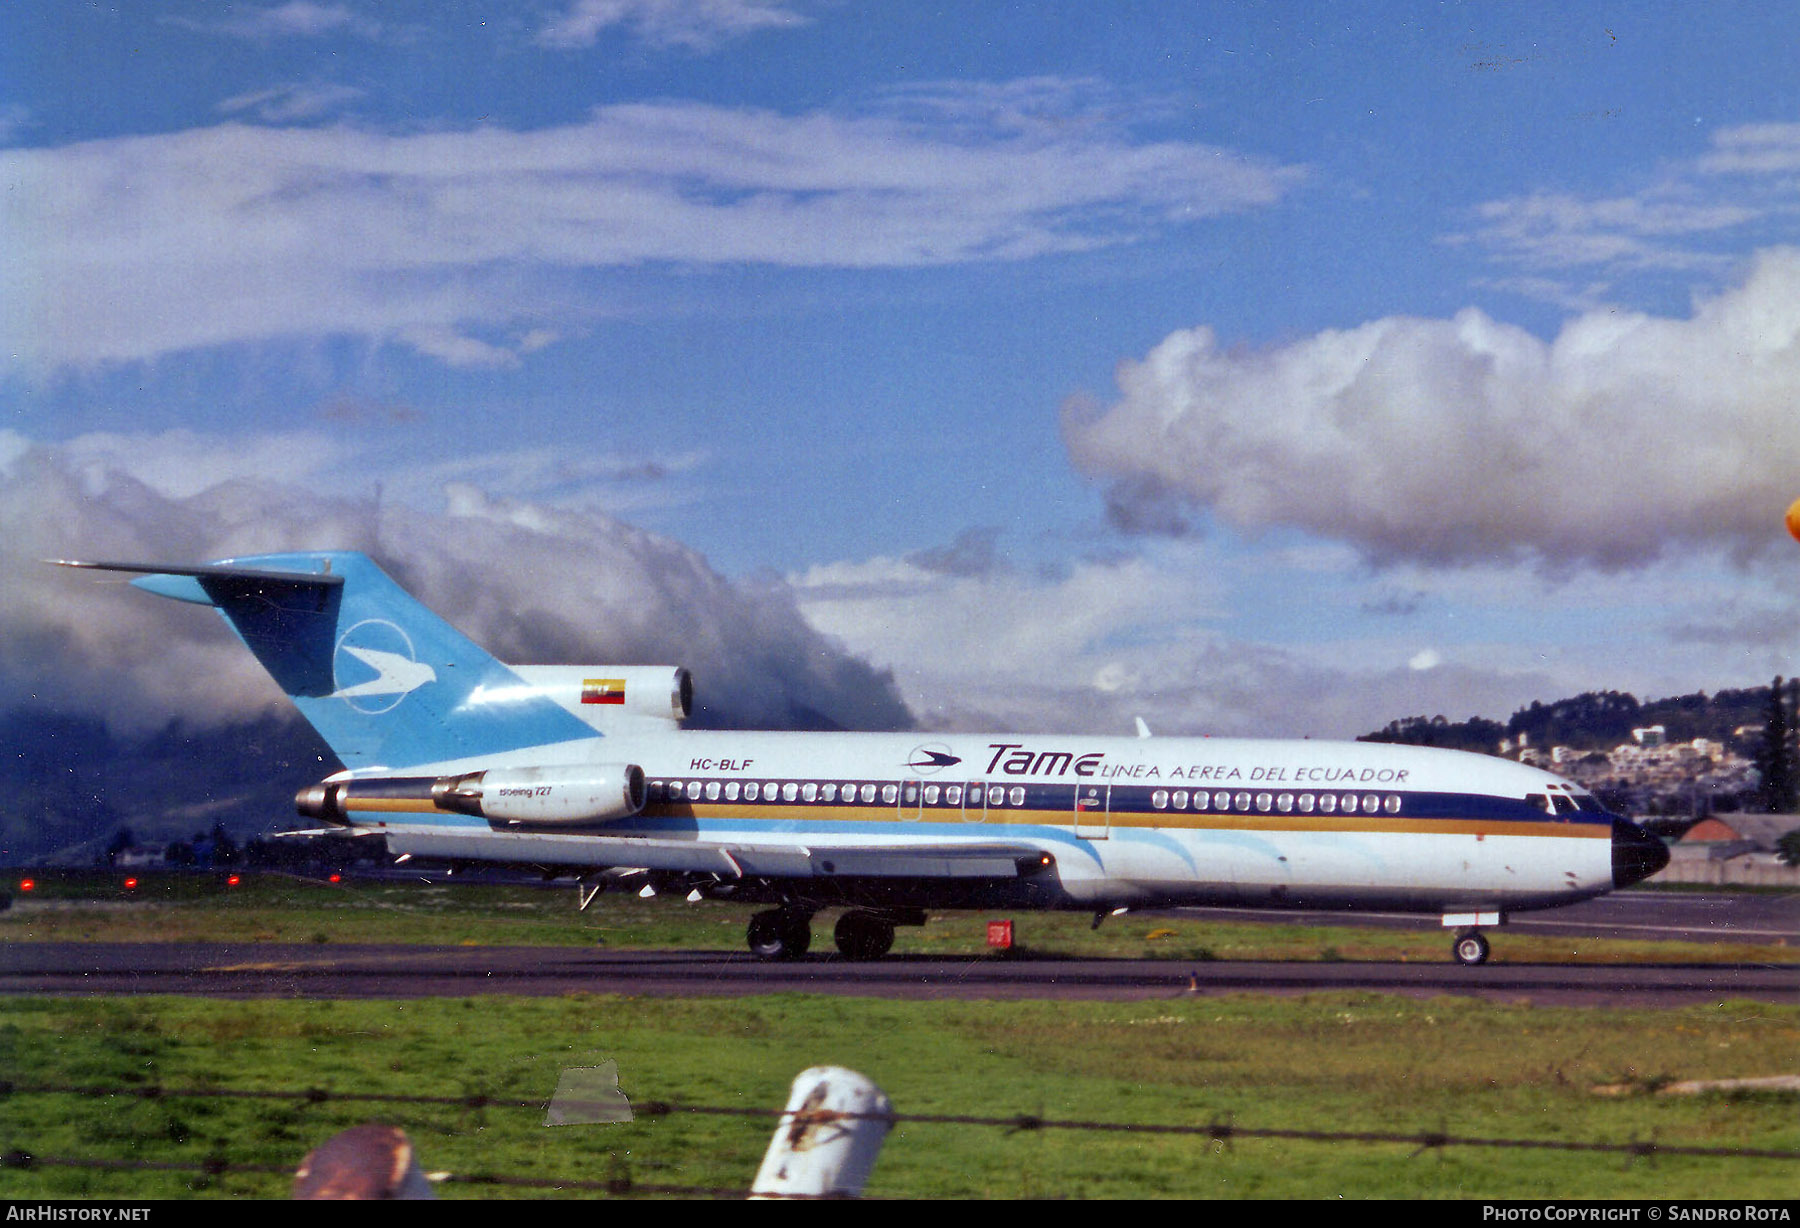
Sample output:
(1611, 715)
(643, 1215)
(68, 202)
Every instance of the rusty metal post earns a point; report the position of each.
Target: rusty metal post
(828, 1138)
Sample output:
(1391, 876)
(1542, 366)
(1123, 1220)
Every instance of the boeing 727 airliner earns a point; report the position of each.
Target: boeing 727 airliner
(451, 755)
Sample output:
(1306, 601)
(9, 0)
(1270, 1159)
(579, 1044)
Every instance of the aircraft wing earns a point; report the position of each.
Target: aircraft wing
(729, 859)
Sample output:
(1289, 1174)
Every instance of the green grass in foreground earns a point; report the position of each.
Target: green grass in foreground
(1328, 1062)
(269, 908)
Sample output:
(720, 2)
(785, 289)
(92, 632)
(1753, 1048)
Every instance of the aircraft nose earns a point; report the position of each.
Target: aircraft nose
(1636, 854)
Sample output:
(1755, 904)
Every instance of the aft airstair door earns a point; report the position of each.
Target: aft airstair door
(1093, 814)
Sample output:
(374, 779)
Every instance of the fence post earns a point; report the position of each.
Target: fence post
(372, 1161)
(829, 1136)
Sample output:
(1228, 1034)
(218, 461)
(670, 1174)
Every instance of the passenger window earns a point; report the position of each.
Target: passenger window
(1306, 803)
(1265, 802)
(953, 795)
(1181, 799)
(1017, 797)
(731, 790)
(751, 791)
(809, 792)
(1285, 803)
(693, 790)
(868, 794)
(828, 792)
(996, 796)
(1391, 803)
(1221, 801)
(789, 791)
(890, 794)
(911, 794)
(1160, 799)
(1327, 803)
(1241, 802)
(931, 795)
(712, 790)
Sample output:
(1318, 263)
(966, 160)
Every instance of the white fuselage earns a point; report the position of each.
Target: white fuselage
(1129, 821)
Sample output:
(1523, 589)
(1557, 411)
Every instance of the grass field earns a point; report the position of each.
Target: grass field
(1337, 1062)
(1329, 1062)
(199, 908)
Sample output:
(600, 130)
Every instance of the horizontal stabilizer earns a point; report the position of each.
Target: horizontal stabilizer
(212, 584)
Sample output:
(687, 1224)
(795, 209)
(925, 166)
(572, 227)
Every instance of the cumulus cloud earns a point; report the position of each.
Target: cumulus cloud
(697, 25)
(1096, 644)
(994, 647)
(476, 246)
(533, 583)
(1468, 440)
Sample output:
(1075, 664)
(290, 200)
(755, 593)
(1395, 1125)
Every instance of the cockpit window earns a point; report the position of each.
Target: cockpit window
(1538, 801)
(1564, 803)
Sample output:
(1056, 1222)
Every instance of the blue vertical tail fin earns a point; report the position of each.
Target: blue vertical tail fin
(386, 682)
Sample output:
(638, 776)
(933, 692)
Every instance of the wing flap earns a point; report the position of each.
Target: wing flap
(729, 859)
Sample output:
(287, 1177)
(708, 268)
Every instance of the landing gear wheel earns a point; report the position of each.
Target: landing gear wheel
(779, 934)
(1470, 948)
(863, 935)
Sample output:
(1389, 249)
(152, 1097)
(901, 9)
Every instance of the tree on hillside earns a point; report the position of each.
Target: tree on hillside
(1775, 758)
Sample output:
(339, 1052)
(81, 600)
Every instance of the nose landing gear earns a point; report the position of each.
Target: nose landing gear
(1470, 948)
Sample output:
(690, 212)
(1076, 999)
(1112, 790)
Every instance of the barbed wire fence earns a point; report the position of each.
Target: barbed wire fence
(16, 1154)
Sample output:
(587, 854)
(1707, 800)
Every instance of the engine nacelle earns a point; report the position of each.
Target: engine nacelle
(598, 693)
(585, 793)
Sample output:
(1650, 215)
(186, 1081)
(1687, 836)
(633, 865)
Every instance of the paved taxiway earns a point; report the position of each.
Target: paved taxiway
(1659, 916)
(308, 971)
(250, 970)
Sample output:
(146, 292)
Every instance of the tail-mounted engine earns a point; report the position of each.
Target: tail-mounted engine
(576, 793)
(587, 794)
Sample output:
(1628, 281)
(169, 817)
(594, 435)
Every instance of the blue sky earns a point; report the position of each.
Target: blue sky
(1253, 367)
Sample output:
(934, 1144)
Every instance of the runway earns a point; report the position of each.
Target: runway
(309, 971)
(293, 970)
(1655, 915)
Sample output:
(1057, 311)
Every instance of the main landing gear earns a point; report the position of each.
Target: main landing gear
(780, 934)
(786, 933)
(863, 935)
